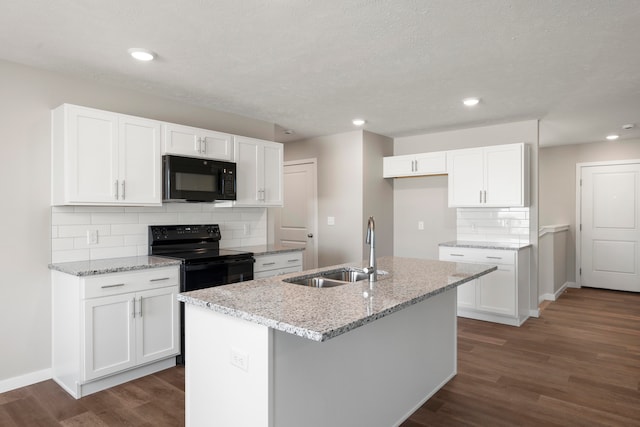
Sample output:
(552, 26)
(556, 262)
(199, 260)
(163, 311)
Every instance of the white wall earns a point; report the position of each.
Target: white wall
(350, 189)
(27, 96)
(558, 183)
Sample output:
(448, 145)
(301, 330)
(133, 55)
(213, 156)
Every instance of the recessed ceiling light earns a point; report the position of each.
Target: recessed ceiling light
(359, 122)
(470, 102)
(612, 137)
(142, 54)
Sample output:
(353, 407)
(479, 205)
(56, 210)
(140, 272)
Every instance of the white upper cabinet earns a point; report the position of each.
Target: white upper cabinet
(104, 158)
(495, 176)
(415, 164)
(259, 172)
(193, 142)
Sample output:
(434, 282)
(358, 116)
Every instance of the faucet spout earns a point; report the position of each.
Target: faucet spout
(372, 270)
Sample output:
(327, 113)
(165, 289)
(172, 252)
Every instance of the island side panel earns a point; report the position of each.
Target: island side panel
(218, 392)
(375, 375)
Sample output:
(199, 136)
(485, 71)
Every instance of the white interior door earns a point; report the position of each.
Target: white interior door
(296, 222)
(610, 218)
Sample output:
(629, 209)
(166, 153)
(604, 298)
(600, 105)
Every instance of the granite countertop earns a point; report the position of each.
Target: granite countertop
(259, 250)
(323, 313)
(485, 245)
(113, 265)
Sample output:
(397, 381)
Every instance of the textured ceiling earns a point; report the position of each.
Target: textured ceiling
(312, 66)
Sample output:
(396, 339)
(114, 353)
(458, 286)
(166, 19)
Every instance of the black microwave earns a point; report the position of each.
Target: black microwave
(191, 179)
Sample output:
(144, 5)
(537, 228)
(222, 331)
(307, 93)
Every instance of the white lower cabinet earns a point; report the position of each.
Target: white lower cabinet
(501, 296)
(277, 264)
(111, 328)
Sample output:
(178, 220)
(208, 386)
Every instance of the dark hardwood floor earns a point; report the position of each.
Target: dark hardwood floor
(577, 365)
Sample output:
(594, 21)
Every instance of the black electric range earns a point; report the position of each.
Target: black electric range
(204, 264)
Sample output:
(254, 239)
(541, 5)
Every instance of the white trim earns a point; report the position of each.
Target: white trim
(579, 166)
(552, 229)
(25, 380)
(554, 296)
(573, 285)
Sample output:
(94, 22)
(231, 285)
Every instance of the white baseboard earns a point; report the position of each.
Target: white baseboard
(554, 296)
(25, 380)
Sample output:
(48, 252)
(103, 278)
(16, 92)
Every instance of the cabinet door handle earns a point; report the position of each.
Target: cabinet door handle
(159, 279)
(133, 304)
(494, 257)
(117, 285)
(116, 189)
(268, 263)
(485, 196)
(197, 146)
(480, 196)
(203, 146)
(140, 311)
(456, 254)
(292, 260)
(123, 188)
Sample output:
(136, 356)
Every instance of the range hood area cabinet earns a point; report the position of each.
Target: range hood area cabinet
(421, 164)
(260, 172)
(495, 176)
(104, 158)
(193, 142)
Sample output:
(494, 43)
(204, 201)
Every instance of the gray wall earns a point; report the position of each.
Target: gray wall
(558, 183)
(27, 97)
(350, 188)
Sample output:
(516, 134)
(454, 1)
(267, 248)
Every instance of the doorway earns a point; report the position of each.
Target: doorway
(295, 224)
(608, 214)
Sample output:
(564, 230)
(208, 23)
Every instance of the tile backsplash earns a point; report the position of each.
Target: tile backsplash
(123, 231)
(503, 225)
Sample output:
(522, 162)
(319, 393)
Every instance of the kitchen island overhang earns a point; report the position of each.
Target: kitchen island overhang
(254, 356)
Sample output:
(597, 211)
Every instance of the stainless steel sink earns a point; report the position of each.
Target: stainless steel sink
(331, 278)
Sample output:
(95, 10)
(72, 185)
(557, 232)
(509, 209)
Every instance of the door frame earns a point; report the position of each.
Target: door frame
(578, 223)
(314, 163)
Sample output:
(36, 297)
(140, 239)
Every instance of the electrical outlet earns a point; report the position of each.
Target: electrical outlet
(420, 225)
(331, 220)
(239, 359)
(92, 237)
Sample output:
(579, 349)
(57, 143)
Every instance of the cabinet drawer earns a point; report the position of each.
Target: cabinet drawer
(276, 272)
(473, 255)
(119, 283)
(277, 261)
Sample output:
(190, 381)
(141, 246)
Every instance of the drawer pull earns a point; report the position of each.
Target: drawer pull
(268, 263)
(160, 279)
(292, 260)
(457, 254)
(117, 285)
(494, 257)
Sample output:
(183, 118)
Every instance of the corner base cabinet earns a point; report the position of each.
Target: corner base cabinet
(112, 328)
(501, 296)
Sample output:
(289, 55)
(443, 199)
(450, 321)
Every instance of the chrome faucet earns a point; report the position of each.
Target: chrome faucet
(372, 270)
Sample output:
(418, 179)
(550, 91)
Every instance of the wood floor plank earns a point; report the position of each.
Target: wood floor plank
(576, 365)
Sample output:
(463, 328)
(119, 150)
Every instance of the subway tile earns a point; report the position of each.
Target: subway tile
(120, 229)
(113, 218)
(103, 242)
(71, 255)
(67, 218)
(136, 240)
(183, 207)
(194, 218)
(99, 209)
(63, 244)
(61, 209)
(142, 250)
(158, 218)
(116, 252)
(81, 230)
(144, 209)
(54, 231)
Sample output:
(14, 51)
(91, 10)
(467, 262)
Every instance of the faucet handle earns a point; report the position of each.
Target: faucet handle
(368, 270)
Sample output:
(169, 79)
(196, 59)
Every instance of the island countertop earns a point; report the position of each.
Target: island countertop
(320, 314)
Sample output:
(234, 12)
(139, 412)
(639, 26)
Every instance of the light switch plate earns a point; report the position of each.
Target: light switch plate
(331, 220)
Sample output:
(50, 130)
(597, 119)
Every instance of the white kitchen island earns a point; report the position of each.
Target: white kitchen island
(268, 353)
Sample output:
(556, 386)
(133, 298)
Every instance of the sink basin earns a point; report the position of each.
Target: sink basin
(331, 278)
